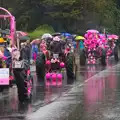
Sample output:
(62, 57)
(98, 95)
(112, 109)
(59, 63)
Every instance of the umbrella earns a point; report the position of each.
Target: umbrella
(56, 34)
(113, 37)
(24, 38)
(66, 34)
(36, 41)
(79, 38)
(46, 35)
(74, 35)
(93, 31)
(21, 33)
(2, 40)
(6, 32)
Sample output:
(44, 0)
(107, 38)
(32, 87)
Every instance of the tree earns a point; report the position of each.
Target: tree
(66, 15)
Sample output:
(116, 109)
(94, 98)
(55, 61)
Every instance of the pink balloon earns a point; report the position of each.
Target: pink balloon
(54, 76)
(62, 64)
(90, 36)
(59, 76)
(48, 75)
(86, 36)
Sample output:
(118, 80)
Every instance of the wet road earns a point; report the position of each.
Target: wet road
(86, 99)
(100, 98)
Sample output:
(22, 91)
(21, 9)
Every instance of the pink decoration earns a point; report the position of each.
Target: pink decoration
(11, 78)
(54, 79)
(34, 56)
(4, 81)
(62, 64)
(28, 72)
(113, 37)
(91, 42)
(48, 62)
(48, 76)
(92, 31)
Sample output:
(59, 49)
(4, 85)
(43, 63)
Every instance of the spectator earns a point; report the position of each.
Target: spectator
(34, 51)
(25, 52)
(8, 55)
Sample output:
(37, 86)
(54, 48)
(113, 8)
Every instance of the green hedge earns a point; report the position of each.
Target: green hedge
(38, 32)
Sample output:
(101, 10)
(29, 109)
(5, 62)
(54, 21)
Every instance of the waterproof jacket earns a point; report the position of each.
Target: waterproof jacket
(25, 53)
(34, 50)
(56, 47)
(81, 45)
(8, 55)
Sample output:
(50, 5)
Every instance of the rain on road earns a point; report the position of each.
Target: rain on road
(93, 96)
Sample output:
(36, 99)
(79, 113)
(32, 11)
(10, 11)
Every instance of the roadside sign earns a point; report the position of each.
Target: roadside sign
(4, 76)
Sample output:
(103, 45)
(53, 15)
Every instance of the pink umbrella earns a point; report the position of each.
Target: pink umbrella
(113, 37)
(36, 41)
(92, 31)
(21, 33)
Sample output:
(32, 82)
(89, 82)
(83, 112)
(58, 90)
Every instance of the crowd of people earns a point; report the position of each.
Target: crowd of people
(29, 50)
(9, 53)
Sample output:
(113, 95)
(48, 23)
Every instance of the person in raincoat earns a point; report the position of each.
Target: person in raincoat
(22, 51)
(81, 45)
(7, 54)
(48, 41)
(43, 45)
(43, 49)
(74, 44)
(25, 52)
(15, 53)
(34, 51)
(56, 46)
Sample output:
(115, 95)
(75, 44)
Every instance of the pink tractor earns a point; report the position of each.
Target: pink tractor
(20, 69)
(53, 69)
(6, 18)
(54, 74)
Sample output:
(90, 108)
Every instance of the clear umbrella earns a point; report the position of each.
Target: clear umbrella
(46, 35)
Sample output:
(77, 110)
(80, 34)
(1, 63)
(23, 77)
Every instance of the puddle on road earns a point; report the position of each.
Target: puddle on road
(101, 97)
(10, 107)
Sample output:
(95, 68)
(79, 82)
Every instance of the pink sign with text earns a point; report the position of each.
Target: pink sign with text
(4, 76)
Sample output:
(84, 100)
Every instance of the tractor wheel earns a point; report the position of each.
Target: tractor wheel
(40, 66)
(70, 66)
(21, 77)
(29, 87)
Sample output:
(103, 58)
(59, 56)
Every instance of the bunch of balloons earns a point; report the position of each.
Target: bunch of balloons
(92, 41)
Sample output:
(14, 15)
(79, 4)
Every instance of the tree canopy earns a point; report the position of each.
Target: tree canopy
(66, 15)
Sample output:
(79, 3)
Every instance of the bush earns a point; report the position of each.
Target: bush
(38, 32)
